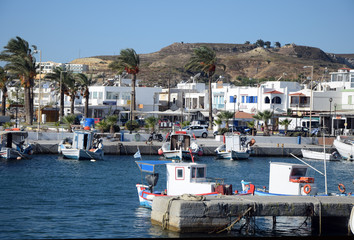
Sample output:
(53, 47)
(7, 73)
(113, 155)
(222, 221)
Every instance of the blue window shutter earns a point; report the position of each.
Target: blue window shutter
(231, 99)
(255, 99)
(243, 99)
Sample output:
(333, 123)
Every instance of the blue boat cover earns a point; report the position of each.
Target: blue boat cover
(149, 165)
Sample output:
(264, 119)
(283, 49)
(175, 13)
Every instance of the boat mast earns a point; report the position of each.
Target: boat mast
(324, 161)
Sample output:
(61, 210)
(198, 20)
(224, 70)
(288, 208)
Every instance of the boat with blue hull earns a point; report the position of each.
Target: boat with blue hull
(85, 145)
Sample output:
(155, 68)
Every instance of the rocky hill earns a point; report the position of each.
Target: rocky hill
(242, 61)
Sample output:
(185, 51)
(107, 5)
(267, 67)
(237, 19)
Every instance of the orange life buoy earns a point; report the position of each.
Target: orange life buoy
(341, 188)
(252, 142)
(307, 188)
(16, 129)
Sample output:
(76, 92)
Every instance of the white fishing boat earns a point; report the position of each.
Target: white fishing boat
(287, 179)
(85, 145)
(310, 154)
(234, 148)
(181, 178)
(345, 147)
(13, 144)
(180, 145)
(351, 221)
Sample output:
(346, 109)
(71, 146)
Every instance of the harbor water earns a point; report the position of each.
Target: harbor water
(54, 198)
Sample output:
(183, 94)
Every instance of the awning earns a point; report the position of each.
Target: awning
(149, 165)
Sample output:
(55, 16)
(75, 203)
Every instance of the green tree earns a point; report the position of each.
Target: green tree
(286, 122)
(264, 116)
(277, 44)
(226, 116)
(128, 61)
(260, 43)
(3, 86)
(61, 78)
(252, 125)
(112, 122)
(69, 120)
(204, 59)
(20, 62)
(267, 44)
(85, 82)
(151, 122)
(101, 125)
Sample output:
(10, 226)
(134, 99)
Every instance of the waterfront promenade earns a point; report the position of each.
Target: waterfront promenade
(277, 146)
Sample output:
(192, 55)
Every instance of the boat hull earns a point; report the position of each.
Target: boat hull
(233, 155)
(318, 155)
(346, 150)
(80, 154)
(9, 153)
(175, 154)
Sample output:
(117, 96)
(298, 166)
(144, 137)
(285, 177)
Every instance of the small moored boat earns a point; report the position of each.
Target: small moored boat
(235, 148)
(13, 145)
(85, 145)
(345, 147)
(181, 146)
(306, 153)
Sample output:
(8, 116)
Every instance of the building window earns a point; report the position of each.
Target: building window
(266, 100)
(94, 95)
(350, 99)
(112, 95)
(276, 100)
(179, 173)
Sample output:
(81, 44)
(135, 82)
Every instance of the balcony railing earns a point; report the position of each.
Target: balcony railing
(299, 105)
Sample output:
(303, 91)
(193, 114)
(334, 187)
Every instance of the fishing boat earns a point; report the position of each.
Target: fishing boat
(345, 147)
(13, 145)
(287, 179)
(310, 154)
(181, 146)
(234, 148)
(351, 221)
(181, 178)
(85, 145)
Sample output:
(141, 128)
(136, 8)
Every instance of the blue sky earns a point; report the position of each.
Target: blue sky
(64, 30)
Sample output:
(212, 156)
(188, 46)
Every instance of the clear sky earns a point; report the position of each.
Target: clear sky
(68, 29)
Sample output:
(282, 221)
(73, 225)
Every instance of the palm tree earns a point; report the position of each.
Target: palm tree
(3, 86)
(71, 91)
(286, 122)
(20, 62)
(69, 120)
(128, 61)
(252, 125)
(226, 116)
(111, 122)
(101, 125)
(61, 78)
(204, 59)
(85, 83)
(264, 116)
(151, 122)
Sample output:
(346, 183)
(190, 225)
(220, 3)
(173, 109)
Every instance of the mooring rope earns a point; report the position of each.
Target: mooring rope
(228, 228)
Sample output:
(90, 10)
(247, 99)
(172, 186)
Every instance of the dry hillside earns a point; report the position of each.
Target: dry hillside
(241, 60)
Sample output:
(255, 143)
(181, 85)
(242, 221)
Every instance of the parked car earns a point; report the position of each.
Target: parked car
(202, 123)
(198, 131)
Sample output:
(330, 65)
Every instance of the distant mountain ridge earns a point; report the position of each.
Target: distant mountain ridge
(241, 60)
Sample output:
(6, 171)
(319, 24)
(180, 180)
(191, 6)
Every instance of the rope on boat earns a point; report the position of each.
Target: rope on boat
(187, 197)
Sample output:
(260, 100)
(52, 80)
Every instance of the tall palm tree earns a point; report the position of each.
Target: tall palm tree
(264, 116)
(128, 61)
(286, 122)
(226, 116)
(111, 122)
(61, 78)
(204, 59)
(85, 82)
(72, 87)
(3, 86)
(20, 62)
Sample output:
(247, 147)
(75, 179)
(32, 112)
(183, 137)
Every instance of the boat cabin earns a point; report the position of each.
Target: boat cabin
(234, 142)
(290, 179)
(83, 140)
(8, 138)
(188, 178)
(180, 140)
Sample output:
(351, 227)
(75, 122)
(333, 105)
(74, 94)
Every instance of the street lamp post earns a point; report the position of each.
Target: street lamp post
(311, 100)
(233, 123)
(39, 90)
(335, 114)
(330, 114)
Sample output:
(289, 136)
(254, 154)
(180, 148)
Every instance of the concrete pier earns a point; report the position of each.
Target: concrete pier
(217, 212)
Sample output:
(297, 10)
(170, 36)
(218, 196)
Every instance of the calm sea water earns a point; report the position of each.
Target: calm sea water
(51, 197)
